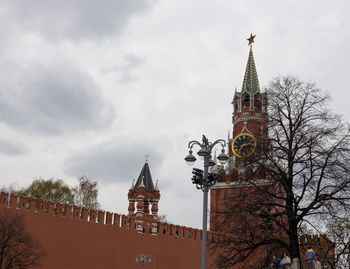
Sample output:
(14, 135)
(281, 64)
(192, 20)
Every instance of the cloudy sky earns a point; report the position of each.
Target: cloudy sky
(89, 87)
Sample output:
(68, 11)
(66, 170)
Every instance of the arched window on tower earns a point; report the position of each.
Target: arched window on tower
(257, 102)
(264, 105)
(246, 100)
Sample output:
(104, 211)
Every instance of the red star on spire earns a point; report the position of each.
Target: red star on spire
(251, 39)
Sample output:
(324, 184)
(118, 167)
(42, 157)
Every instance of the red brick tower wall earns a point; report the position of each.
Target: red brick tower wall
(250, 120)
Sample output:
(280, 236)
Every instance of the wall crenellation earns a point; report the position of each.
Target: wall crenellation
(316, 241)
(29, 205)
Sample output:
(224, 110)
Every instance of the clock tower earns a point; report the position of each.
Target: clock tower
(249, 127)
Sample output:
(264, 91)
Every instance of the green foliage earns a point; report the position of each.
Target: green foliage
(162, 218)
(51, 190)
(83, 195)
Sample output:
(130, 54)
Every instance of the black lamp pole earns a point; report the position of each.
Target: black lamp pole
(204, 180)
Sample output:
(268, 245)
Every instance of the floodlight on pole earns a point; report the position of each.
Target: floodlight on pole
(203, 180)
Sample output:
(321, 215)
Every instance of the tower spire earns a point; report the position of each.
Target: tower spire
(251, 81)
(145, 178)
(145, 195)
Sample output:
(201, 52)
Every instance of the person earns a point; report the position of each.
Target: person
(275, 262)
(286, 262)
(317, 264)
(310, 255)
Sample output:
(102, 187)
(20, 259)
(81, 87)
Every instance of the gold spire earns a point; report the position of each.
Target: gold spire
(146, 156)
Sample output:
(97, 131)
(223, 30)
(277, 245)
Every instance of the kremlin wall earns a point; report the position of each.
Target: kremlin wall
(74, 237)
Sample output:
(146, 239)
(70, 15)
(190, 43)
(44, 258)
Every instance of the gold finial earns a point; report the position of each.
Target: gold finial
(146, 156)
(251, 40)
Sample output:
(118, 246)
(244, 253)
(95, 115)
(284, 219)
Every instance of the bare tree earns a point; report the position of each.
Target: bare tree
(17, 248)
(305, 157)
(338, 230)
(85, 193)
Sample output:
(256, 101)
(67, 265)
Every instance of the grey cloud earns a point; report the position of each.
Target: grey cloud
(125, 70)
(75, 19)
(11, 148)
(52, 99)
(119, 160)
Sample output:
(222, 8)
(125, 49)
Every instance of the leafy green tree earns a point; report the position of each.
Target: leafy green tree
(51, 190)
(84, 194)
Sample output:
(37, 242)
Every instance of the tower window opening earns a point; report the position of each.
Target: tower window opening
(246, 100)
(257, 103)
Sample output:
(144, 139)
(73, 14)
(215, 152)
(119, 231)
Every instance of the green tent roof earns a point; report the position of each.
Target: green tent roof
(250, 81)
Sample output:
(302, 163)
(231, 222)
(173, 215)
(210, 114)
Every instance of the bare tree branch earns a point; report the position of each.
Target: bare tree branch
(305, 156)
(17, 248)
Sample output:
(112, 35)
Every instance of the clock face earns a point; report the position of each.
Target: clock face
(243, 145)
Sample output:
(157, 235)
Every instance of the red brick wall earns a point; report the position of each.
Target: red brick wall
(79, 243)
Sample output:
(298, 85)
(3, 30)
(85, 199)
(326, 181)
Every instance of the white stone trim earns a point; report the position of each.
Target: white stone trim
(223, 185)
(248, 118)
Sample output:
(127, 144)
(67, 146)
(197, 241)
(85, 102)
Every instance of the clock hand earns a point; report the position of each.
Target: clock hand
(245, 145)
(242, 147)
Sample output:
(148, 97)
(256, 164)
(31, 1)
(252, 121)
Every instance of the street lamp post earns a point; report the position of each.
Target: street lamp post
(143, 259)
(204, 180)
